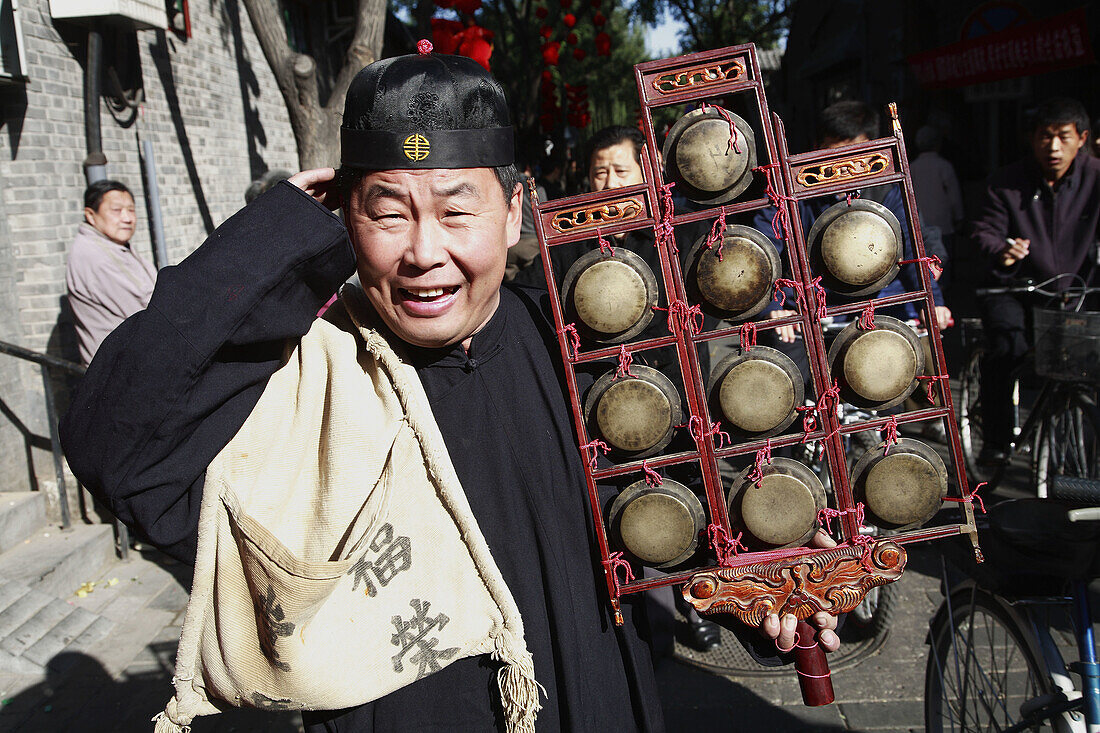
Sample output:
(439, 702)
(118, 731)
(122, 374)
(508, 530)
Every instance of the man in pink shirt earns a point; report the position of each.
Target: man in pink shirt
(107, 281)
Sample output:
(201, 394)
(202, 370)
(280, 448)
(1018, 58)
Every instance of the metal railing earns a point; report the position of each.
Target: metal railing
(46, 364)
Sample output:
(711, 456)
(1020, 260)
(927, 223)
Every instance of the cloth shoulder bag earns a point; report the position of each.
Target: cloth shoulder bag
(338, 559)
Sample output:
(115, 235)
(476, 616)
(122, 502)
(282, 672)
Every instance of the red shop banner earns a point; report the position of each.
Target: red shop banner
(1046, 45)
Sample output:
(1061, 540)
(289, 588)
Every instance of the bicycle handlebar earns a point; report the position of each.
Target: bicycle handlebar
(1071, 488)
(1030, 287)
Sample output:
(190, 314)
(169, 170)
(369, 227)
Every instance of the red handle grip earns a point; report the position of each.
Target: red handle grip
(812, 667)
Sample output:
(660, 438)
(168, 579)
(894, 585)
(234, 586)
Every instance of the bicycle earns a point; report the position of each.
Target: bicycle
(1061, 430)
(994, 663)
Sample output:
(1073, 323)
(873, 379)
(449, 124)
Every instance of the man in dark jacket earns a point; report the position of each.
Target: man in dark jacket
(1040, 219)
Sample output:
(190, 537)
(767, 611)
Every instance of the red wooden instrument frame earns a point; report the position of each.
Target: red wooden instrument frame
(741, 63)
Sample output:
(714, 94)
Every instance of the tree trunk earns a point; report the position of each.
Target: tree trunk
(316, 127)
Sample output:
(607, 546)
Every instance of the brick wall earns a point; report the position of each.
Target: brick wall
(216, 120)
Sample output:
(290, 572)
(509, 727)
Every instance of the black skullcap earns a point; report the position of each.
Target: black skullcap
(425, 111)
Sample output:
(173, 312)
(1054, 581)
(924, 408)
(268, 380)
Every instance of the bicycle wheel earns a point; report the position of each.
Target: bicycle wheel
(982, 666)
(969, 415)
(1068, 442)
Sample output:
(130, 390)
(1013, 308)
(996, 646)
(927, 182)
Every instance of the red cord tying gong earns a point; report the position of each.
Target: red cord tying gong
(574, 338)
(781, 223)
(763, 456)
(605, 246)
(891, 434)
(625, 362)
(867, 318)
(747, 336)
(615, 561)
(732, 144)
(931, 261)
(682, 317)
(724, 548)
(698, 434)
(652, 478)
(663, 229)
(969, 498)
(589, 449)
(717, 234)
(781, 294)
(931, 383)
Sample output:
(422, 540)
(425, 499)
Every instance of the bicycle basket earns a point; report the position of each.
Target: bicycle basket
(1067, 345)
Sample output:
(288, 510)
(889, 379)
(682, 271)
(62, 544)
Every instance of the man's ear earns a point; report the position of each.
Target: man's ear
(515, 214)
(88, 214)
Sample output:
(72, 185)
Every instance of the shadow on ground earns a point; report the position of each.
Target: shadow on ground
(78, 694)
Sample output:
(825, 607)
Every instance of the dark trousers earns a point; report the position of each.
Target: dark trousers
(1006, 321)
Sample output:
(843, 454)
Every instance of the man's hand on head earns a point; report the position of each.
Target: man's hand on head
(1014, 251)
(318, 183)
(782, 630)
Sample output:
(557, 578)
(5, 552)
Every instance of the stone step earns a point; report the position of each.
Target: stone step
(33, 629)
(23, 609)
(36, 627)
(56, 562)
(21, 514)
(65, 634)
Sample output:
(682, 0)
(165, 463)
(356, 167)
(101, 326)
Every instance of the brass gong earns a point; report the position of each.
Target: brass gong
(636, 415)
(659, 525)
(902, 488)
(757, 392)
(877, 368)
(739, 285)
(780, 512)
(610, 296)
(855, 247)
(699, 158)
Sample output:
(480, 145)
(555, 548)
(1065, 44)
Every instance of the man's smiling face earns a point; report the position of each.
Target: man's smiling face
(431, 248)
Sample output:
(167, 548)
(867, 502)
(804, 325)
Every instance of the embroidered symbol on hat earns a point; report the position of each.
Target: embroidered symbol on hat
(416, 147)
(414, 634)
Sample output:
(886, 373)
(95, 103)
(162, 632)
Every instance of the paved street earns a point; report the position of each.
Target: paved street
(119, 683)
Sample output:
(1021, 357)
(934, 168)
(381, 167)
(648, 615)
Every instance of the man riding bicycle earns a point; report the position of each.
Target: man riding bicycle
(1040, 218)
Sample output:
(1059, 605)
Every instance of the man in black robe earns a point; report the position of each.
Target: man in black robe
(432, 203)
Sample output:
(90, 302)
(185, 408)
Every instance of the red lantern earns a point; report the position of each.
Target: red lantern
(598, 20)
(571, 39)
(541, 12)
(579, 54)
(547, 76)
(595, 3)
(565, 4)
(569, 19)
(546, 31)
(466, 6)
(443, 3)
(550, 53)
(603, 44)
(476, 48)
(446, 35)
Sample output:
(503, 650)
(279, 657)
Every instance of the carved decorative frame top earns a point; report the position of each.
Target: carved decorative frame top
(700, 76)
(836, 171)
(599, 215)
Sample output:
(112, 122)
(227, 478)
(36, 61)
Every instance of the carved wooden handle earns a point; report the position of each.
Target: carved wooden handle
(812, 667)
(833, 580)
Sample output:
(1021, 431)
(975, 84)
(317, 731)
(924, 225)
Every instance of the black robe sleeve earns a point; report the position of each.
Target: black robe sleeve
(172, 385)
